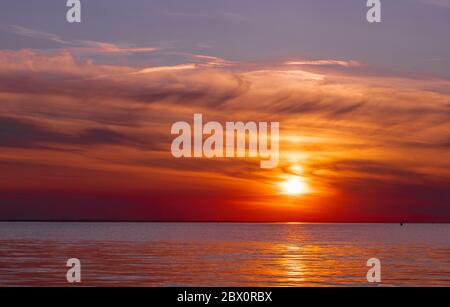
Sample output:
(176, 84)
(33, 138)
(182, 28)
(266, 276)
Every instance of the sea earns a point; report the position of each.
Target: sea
(223, 254)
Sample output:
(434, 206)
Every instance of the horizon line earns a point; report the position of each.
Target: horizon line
(219, 221)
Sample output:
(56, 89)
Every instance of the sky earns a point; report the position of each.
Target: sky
(86, 109)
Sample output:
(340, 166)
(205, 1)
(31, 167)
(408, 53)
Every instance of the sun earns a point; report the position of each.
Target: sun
(294, 186)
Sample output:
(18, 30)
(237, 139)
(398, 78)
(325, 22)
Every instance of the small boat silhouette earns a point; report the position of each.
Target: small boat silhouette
(401, 223)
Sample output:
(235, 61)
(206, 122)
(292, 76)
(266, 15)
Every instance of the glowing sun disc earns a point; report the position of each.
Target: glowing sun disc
(294, 186)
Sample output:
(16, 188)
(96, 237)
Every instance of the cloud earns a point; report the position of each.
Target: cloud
(150, 70)
(30, 33)
(211, 61)
(109, 48)
(79, 46)
(113, 122)
(28, 72)
(325, 63)
(16, 132)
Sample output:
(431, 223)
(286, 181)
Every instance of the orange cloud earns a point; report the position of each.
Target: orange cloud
(325, 63)
(67, 123)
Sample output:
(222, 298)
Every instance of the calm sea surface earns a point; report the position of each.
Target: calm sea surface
(223, 254)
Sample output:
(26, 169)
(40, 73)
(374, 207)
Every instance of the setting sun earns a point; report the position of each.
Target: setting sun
(294, 186)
